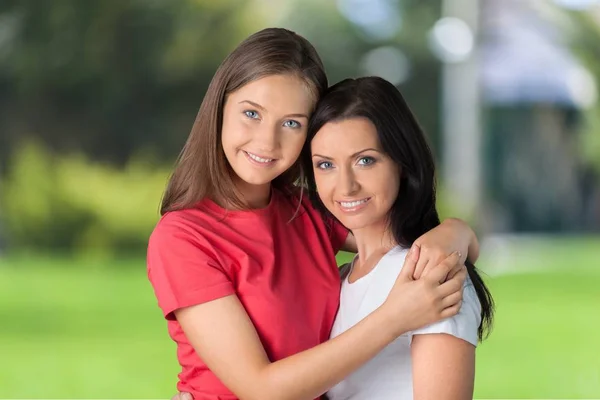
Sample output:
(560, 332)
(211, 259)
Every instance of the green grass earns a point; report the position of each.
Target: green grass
(72, 331)
(75, 329)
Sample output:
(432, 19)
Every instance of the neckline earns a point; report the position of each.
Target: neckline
(249, 213)
(371, 272)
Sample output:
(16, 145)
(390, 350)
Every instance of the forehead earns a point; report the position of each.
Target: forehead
(345, 137)
(277, 93)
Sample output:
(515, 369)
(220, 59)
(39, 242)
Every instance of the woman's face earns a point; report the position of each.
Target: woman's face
(264, 127)
(356, 180)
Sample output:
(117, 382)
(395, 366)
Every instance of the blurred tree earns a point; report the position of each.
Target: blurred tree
(110, 76)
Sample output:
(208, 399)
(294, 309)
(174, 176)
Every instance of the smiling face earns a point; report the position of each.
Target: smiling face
(264, 127)
(356, 180)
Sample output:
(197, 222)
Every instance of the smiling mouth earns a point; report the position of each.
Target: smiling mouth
(355, 205)
(258, 159)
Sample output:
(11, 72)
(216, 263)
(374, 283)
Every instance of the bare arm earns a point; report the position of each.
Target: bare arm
(443, 367)
(224, 337)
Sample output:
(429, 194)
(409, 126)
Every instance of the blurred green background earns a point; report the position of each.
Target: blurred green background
(97, 98)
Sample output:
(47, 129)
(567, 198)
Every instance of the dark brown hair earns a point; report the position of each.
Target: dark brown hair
(414, 212)
(202, 169)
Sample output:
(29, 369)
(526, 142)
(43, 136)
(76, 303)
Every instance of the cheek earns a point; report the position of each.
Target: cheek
(384, 183)
(393, 188)
(226, 133)
(233, 133)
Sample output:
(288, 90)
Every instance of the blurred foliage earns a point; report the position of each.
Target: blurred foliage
(584, 29)
(69, 203)
(110, 77)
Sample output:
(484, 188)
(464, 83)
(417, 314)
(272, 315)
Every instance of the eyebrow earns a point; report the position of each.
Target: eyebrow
(264, 109)
(352, 156)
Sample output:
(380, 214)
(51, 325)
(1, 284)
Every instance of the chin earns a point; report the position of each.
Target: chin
(258, 178)
(357, 222)
(351, 223)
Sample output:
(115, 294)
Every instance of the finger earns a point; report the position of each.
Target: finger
(453, 285)
(431, 263)
(440, 271)
(421, 264)
(455, 270)
(433, 257)
(452, 300)
(451, 311)
(410, 262)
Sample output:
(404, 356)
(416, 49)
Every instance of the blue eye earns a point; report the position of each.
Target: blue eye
(251, 114)
(324, 165)
(366, 161)
(292, 124)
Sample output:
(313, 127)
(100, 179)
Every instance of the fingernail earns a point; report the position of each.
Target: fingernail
(413, 250)
(457, 253)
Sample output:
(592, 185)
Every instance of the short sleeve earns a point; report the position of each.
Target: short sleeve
(181, 269)
(463, 325)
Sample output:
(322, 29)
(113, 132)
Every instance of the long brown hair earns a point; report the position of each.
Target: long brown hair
(202, 169)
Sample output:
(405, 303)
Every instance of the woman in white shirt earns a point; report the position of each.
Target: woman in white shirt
(370, 166)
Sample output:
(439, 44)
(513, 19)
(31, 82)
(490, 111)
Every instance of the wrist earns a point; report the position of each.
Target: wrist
(467, 238)
(389, 322)
(457, 223)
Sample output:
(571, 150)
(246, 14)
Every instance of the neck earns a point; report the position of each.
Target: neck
(373, 239)
(254, 196)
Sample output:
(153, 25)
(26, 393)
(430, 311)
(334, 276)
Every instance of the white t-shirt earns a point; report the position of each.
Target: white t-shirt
(389, 374)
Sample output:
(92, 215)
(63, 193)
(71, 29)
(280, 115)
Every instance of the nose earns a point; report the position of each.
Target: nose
(347, 183)
(267, 139)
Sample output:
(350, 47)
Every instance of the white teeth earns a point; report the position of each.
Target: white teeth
(351, 204)
(259, 159)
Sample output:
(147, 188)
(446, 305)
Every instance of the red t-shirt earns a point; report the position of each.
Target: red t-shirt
(284, 273)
